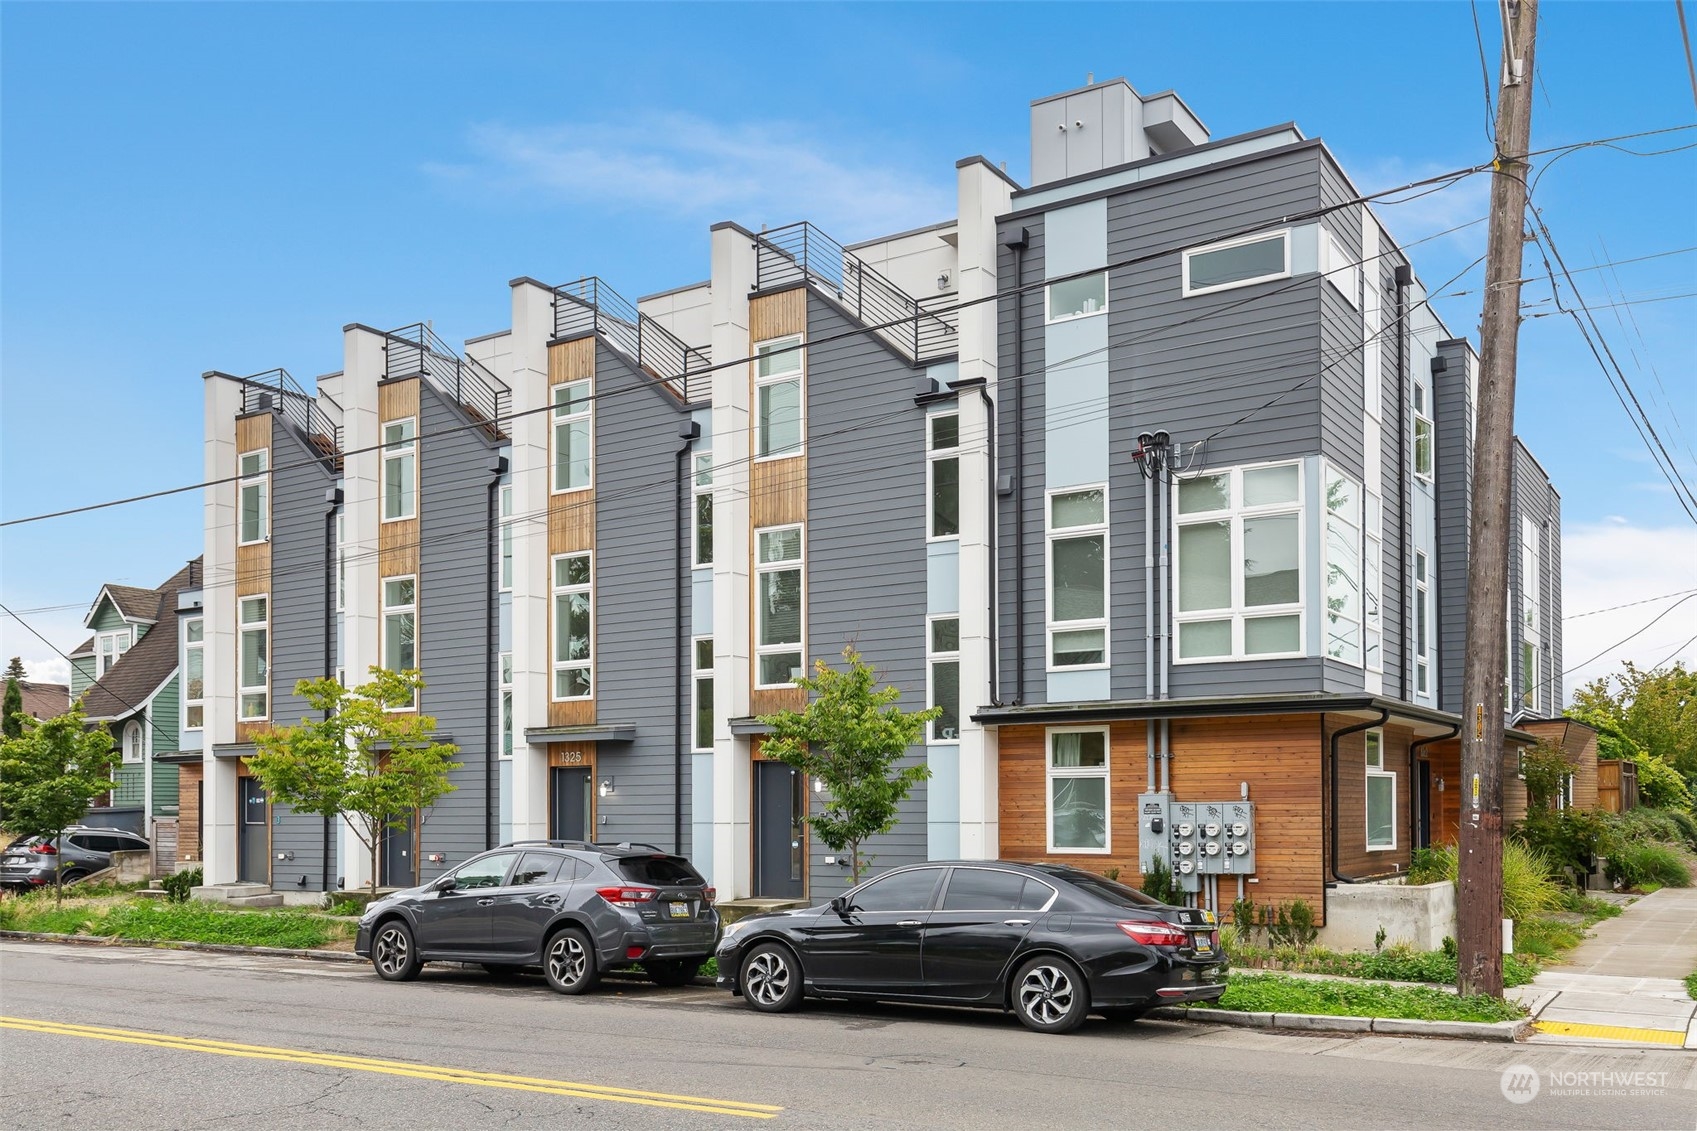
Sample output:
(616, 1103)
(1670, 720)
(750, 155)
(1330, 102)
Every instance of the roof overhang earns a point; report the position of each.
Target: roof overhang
(235, 750)
(586, 732)
(179, 757)
(749, 727)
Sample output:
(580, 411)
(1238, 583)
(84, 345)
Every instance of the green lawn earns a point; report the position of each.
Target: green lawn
(152, 921)
(1275, 993)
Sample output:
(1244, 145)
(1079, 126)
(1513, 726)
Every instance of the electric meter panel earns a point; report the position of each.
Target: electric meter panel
(1198, 838)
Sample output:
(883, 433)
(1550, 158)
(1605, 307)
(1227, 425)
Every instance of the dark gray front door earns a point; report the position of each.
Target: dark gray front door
(570, 804)
(252, 846)
(780, 849)
(396, 858)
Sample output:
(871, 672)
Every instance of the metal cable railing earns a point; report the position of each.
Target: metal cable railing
(589, 305)
(416, 351)
(275, 389)
(801, 252)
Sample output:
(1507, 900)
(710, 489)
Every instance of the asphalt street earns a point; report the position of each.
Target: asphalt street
(104, 1037)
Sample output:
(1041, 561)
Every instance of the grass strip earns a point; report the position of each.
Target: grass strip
(1273, 993)
(183, 922)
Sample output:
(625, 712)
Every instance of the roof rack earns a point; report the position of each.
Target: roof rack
(631, 844)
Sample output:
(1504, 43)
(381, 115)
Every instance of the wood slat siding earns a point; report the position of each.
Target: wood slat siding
(1445, 814)
(189, 776)
(397, 541)
(571, 519)
(571, 361)
(777, 491)
(164, 845)
(775, 699)
(247, 732)
(253, 563)
(561, 753)
(1280, 757)
(775, 315)
(1354, 859)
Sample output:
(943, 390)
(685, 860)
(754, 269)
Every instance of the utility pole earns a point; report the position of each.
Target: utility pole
(1479, 961)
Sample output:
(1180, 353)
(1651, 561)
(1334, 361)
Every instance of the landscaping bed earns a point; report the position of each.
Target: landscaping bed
(125, 917)
(1274, 993)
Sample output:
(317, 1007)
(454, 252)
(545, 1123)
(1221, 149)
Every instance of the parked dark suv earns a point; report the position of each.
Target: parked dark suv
(81, 851)
(574, 908)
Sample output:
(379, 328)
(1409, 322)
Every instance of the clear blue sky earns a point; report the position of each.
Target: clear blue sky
(194, 187)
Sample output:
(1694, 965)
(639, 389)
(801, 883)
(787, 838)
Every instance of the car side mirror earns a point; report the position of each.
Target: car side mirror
(443, 885)
(840, 904)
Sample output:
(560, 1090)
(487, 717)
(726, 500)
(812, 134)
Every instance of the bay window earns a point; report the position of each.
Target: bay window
(1240, 563)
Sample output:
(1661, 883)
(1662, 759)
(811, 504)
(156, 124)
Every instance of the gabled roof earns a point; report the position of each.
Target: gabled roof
(132, 602)
(45, 700)
(149, 663)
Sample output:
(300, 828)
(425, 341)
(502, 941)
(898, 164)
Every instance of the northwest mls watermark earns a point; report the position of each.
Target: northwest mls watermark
(1521, 1084)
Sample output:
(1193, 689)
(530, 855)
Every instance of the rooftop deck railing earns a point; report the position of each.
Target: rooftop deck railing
(275, 389)
(589, 305)
(416, 351)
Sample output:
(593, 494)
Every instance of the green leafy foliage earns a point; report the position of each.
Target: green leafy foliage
(1545, 769)
(148, 921)
(1637, 864)
(363, 761)
(1529, 886)
(1431, 866)
(1159, 884)
(1570, 838)
(1272, 993)
(851, 737)
(12, 710)
(178, 884)
(1656, 709)
(1291, 925)
(51, 771)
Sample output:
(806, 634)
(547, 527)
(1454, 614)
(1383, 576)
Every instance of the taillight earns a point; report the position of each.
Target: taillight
(1214, 939)
(1155, 934)
(627, 897)
(45, 850)
(708, 895)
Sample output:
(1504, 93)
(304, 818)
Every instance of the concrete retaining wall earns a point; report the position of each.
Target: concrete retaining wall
(1418, 915)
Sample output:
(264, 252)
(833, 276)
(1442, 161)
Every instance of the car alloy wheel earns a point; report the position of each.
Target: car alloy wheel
(1050, 995)
(570, 963)
(771, 980)
(393, 954)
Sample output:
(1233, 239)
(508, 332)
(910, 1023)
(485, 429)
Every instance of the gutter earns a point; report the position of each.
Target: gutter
(1384, 714)
(333, 499)
(689, 431)
(492, 656)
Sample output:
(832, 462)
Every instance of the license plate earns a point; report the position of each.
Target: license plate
(680, 911)
(1203, 950)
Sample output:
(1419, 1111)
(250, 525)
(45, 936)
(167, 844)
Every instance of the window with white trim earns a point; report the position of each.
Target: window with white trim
(1373, 589)
(109, 647)
(194, 673)
(1077, 298)
(132, 742)
(1422, 625)
(1340, 268)
(1423, 454)
(506, 505)
(574, 627)
(506, 704)
(1342, 543)
(701, 733)
(1380, 795)
(703, 548)
(778, 397)
(1237, 263)
(1077, 793)
(252, 616)
(1240, 563)
(400, 469)
(780, 606)
(574, 437)
(1531, 620)
(254, 491)
(1078, 578)
(943, 676)
(942, 468)
(400, 623)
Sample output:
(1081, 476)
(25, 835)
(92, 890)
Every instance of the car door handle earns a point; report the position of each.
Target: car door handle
(1016, 922)
(907, 922)
(486, 903)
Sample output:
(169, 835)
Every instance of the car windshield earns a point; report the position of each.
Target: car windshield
(1104, 888)
(659, 870)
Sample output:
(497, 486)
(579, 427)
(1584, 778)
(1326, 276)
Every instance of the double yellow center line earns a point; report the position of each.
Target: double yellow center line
(397, 1068)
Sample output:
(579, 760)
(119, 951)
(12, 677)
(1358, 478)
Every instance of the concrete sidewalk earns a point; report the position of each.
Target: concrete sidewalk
(1625, 984)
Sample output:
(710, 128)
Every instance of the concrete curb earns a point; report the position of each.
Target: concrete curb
(1506, 1031)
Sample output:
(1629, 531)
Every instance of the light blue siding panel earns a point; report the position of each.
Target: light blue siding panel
(701, 602)
(1077, 238)
(943, 803)
(1068, 687)
(942, 577)
(1076, 402)
(701, 812)
(504, 780)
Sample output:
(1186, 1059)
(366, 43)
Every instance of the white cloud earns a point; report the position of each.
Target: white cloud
(1614, 563)
(1430, 209)
(684, 165)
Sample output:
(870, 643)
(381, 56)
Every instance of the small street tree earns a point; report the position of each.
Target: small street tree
(851, 737)
(50, 772)
(11, 722)
(364, 762)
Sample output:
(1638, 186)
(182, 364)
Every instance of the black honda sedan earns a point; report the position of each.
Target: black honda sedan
(1052, 943)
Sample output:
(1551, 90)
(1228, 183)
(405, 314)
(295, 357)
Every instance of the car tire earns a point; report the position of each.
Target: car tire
(1049, 995)
(568, 961)
(394, 953)
(671, 972)
(505, 971)
(73, 876)
(771, 979)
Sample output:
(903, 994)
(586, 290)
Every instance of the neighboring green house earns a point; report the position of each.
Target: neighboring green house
(126, 676)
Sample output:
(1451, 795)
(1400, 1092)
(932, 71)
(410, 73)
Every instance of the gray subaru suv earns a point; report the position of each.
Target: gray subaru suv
(31, 862)
(574, 908)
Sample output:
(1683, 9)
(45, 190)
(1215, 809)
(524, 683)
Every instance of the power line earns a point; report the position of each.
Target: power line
(1608, 305)
(1630, 604)
(1582, 270)
(1629, 637)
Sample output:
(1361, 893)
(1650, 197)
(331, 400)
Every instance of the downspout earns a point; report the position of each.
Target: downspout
(1149, 612)
(1018, 245)
(1404, 276)
(333, 501)
(492, 657)
(688, 432)
(1384, 713)
(990, 533)
(1163, 505)
(1413, 747)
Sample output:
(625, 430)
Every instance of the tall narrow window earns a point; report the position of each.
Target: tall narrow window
(1423, 454)
(779, 616)
(1373, 591)
(1343, 567)
(944, 658)
(506, 504)
(702, 732)
(194, 674)
(108, 648)
(1240, 579)
(255, 493)
(1381, 795)
(253, 617)
(574, 638)
(703, 509)
(573, 436)
(1078, 791)
(400, 623)
(944, 468)
(341, 561)
(1422, 625)
(400, 469)
(1531, 612)
(778, 398)
(506, 704)
(1078, 578)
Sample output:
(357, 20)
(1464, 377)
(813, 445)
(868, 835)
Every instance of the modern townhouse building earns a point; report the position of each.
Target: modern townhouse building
(1152, 474)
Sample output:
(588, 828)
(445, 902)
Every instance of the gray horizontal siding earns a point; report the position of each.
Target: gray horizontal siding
(1019, 410)
(1452, 395)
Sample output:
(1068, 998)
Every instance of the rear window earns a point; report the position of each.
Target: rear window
(657, 870)
(1104, 888)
